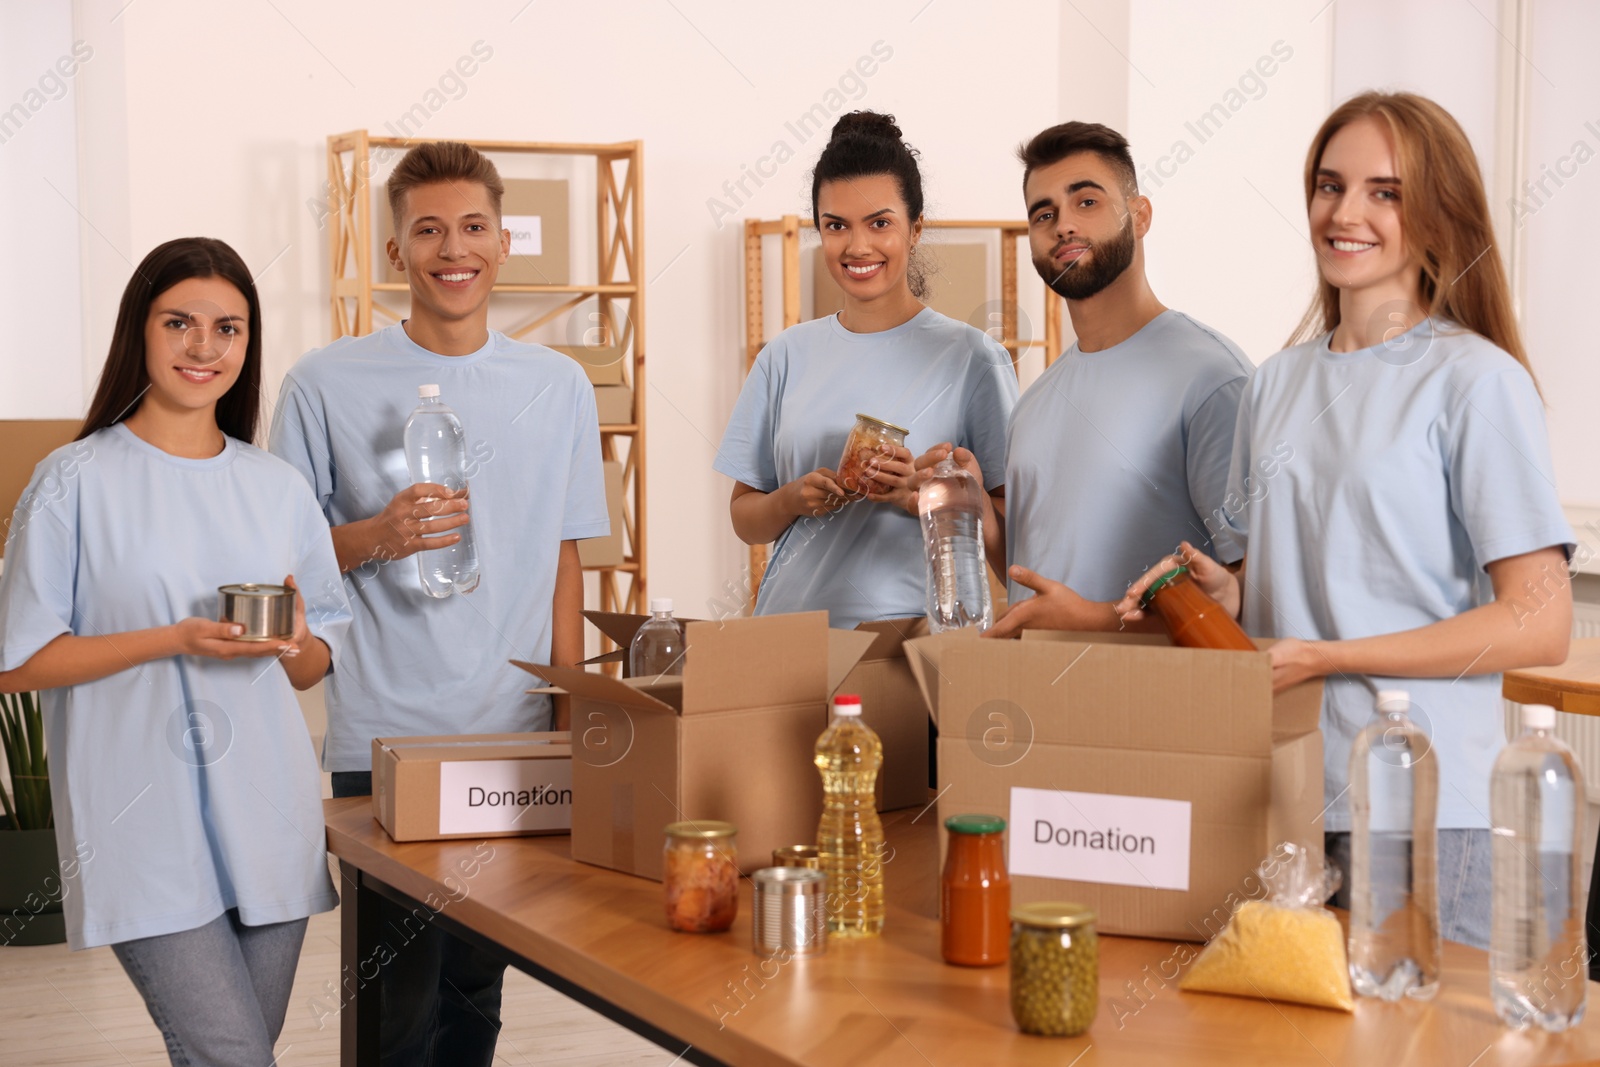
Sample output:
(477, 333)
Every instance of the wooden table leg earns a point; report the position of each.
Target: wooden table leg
(359, 930)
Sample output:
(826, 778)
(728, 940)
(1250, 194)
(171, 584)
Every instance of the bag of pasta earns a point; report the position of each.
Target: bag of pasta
(1286, 947)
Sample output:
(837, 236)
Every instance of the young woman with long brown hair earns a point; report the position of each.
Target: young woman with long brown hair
(1413, 539)
(182, 776)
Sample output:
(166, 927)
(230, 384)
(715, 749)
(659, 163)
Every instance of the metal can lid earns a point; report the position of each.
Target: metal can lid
(789, 879)
(901, 430)
(1052, 914)
(975, 824)
(1161, 583)
(253, 589)
(700, 828)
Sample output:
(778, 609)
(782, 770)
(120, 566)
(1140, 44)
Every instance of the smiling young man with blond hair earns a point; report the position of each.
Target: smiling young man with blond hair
(414, 664)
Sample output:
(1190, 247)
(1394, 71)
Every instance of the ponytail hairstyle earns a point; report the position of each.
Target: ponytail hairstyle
(1444, 219)
(865, 144)
(124, 379)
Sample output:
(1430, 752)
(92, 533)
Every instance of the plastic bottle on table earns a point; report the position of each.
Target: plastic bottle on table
(1394, 896)
(850, 836)
(950, 503)
(436, 451)
(657, 646)
(1538, 959)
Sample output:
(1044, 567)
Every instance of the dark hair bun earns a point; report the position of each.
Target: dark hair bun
(866, 124)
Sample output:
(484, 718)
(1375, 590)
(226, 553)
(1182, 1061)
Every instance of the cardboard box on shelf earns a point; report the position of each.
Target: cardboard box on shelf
(731, 739)
(608, 551)
(602, 363)
(472, 785)
(614, 404)
(536, 211)
(1145, 781)
(958, 283)
(892, 704)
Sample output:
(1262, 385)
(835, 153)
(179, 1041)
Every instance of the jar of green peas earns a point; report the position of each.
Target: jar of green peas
(1055, 969)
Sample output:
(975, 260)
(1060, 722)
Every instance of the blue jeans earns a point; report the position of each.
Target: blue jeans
(1465, 882)
(439, 998)
(218, 993)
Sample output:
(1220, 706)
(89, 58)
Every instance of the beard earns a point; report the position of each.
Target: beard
(1080, 280)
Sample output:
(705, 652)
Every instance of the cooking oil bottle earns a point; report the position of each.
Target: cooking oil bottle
(850, 837)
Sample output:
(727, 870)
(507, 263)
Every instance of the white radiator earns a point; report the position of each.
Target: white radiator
(1580, 732)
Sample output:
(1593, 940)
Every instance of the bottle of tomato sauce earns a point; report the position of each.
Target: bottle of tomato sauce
(975, 893)
(1193, 619)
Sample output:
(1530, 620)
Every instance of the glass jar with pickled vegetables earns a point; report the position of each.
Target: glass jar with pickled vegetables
(1055, 969)
(870, 439)
(701, 876)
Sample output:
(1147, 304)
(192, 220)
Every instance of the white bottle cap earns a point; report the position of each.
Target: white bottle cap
(427, 392)
(846, 704)
(660, 603)
(1393, 700)
(1538, 717)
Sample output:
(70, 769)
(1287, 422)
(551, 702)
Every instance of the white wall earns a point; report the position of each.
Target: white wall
(1228, 242)
(41, 378)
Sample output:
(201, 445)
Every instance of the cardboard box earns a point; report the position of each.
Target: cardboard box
(23, 444)
(732, 739)
(472, 785)
(536, 211)
(602, 363)
(614, 404)
(892, 704)
(1145, 781)
(958, 284)
(607, 551)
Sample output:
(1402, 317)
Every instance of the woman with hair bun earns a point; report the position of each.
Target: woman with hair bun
(856, 551)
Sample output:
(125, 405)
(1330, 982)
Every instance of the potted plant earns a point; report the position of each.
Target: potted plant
(30, 871)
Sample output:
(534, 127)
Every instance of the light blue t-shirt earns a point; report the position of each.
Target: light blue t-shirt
(940, 379)
(1117, 455)
(414, 664)
(1372, 488)
(184, 786)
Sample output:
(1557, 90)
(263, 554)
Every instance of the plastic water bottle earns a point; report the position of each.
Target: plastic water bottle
(436, 451)
(850, 836)
(1394, 894)
(951, 505)
(657, 646)
(1538, 959)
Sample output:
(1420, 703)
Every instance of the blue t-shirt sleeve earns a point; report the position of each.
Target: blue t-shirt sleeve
(585, 513)
(1209, 456)
(41, 560)
(300, 438)
(1228, 521)
(1502, 482)
(321, 585)
(991, 396)
(747, 453)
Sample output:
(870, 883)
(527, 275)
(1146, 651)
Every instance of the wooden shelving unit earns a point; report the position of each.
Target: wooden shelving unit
(618, 288)
(1013, 240)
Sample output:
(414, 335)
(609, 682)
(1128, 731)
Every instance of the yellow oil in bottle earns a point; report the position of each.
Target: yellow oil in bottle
(850, 836)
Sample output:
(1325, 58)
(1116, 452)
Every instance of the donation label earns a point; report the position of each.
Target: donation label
(1100, 837)
(499, 795)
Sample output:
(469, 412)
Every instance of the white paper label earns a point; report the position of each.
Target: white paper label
(495, 795)
(1100, 837)
(526, 234)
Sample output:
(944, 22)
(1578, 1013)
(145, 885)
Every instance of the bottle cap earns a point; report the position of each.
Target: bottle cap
(975, 824)
(660, 603)
(1538, 717)
(427, 392)
(847, 704)
(1161, 583)
(1393, 700)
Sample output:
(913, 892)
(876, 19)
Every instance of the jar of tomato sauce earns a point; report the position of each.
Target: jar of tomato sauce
(1193, 619)
(975, 893)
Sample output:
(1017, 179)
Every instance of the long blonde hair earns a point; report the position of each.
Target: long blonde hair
(1444, 219)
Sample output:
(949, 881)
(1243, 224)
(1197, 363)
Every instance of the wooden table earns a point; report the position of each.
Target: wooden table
(600, 937)
(1573, 687)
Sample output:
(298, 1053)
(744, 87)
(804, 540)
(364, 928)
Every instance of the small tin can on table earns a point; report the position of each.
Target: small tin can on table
(791, 916)
(797, 856)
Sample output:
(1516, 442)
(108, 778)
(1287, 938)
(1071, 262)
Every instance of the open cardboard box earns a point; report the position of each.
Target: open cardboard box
(1143, 780)
(472, 785)
(892, 704)
(731, 739)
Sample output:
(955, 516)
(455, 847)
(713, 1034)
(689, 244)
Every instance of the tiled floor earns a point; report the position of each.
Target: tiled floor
(78, 1008)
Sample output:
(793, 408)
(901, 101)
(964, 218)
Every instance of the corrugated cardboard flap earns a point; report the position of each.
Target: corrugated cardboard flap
(845, 651)
(593, 686)
(792, 651)
(463, 747)
(1081, 690)
(890, 636)
(620, 626)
